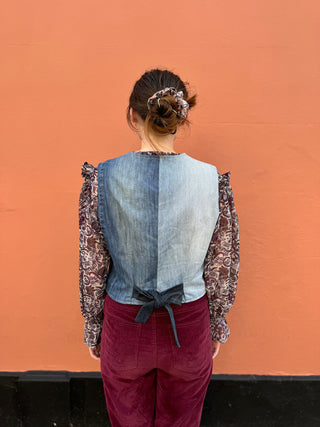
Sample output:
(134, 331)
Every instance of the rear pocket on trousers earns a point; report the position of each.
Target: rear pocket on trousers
(195, 354)
(120, 343)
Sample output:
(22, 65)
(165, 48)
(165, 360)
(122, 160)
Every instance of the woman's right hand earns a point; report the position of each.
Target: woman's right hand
(95, 352)
(215, 348)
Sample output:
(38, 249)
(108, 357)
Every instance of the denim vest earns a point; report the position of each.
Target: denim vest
(157, 215)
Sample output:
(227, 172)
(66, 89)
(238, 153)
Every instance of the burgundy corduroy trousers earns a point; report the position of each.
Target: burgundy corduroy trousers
(149, 381)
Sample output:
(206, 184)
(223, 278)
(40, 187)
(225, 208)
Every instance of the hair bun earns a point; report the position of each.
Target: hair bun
(163, 115)
(182, 104)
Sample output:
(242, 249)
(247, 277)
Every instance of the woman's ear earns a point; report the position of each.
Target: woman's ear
(133, 116)
(136, 120)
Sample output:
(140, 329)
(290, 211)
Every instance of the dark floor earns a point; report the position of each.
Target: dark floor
(73, 399)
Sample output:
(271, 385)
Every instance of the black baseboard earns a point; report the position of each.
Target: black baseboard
(76, 399)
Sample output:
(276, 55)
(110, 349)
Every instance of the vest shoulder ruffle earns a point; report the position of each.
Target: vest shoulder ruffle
(87, 170)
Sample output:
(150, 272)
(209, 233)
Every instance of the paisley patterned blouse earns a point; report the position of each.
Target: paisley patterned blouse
(221, 266)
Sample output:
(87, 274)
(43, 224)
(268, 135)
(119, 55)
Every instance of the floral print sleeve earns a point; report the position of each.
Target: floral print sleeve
(94, 258)
(221, 267)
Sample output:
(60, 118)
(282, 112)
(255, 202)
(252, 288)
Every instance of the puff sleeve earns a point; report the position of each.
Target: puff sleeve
(221, 267)
(94, 258)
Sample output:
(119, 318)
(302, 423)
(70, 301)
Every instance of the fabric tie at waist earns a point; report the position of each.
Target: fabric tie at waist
(154, 299)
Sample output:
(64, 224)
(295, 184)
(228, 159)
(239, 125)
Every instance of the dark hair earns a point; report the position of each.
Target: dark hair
(162, 120)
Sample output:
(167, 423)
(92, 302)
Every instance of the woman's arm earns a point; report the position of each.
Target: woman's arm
(221, 268)
(94, 258)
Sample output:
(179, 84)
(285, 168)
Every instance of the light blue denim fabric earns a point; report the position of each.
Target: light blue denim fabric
(157, 215)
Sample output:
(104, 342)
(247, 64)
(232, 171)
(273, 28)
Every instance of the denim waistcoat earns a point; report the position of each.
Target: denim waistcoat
(157, 215)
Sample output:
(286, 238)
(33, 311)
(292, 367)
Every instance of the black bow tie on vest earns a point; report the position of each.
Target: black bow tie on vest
(154, 299)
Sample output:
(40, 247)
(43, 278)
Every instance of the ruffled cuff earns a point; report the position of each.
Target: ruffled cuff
(219, 329)
(92, 331)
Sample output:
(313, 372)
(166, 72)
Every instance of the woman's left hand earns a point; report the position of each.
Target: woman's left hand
(215, 348)
(95, 352)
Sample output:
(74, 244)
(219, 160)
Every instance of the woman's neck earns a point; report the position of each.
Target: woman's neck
(163, 145)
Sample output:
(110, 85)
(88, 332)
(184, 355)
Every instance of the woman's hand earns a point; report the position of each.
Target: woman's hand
(95, 352)
(215, 348)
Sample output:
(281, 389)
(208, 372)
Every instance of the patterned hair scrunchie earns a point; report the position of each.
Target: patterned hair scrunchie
(183, 105)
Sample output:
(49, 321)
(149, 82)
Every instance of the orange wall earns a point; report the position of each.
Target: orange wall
(67, 68)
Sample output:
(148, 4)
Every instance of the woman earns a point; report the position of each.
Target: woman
(159, 262)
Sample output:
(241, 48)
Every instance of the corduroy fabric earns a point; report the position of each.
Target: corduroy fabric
(149, 381)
